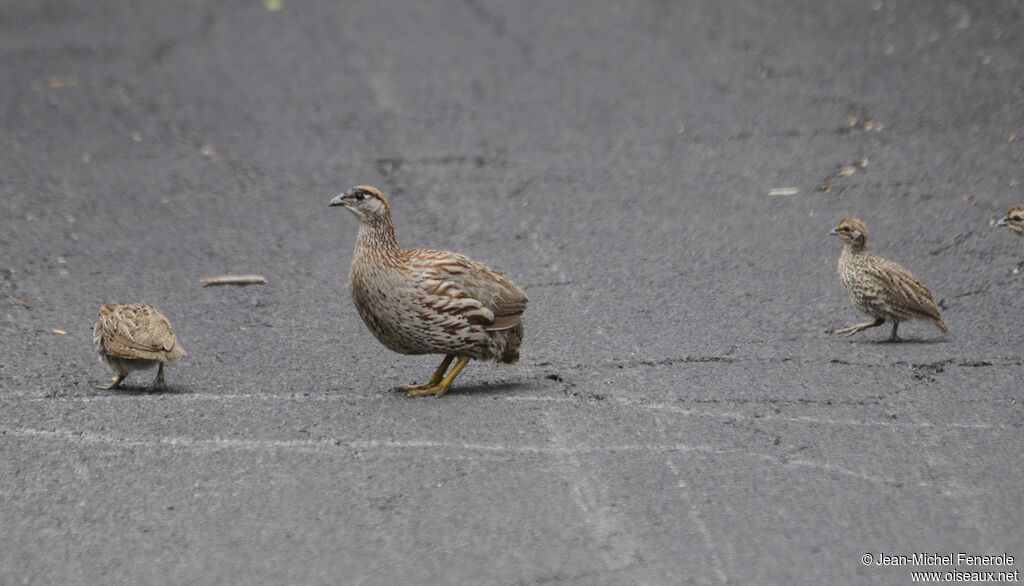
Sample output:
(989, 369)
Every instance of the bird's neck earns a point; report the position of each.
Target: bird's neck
(377, 238)
(855, 247)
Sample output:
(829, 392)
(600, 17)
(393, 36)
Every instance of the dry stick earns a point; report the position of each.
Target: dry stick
(233, 280)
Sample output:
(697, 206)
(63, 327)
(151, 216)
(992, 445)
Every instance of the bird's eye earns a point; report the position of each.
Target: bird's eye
(360, 196)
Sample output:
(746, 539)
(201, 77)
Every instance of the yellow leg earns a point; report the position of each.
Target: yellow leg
(436, 378)
(441, 388)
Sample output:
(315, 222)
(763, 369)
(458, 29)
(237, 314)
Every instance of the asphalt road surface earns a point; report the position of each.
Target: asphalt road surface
(682, 412)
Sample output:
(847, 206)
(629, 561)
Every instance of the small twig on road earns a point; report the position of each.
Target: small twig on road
(233, 280)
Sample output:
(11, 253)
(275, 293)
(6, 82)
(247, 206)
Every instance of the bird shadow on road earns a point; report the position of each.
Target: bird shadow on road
(486, 389)
(140, 391)
(903, 341)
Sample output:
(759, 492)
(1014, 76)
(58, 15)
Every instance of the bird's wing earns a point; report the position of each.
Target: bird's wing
(457, 284)
(138, 331)
(904, 289)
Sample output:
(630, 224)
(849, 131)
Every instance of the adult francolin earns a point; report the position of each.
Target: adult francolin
(418, 301)
(134, 337)
(880, 288)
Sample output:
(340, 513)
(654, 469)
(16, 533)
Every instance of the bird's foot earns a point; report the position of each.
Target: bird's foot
(436, 380)
(847, 332)
(427, 390)
(159, 383)
(115, 383)
(438, 385)
(410, 388)
(891, 340)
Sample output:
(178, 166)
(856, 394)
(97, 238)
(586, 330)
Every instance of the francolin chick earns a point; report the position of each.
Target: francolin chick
(880, 288)
(1014, 221)
(418, 301)
(134, 337)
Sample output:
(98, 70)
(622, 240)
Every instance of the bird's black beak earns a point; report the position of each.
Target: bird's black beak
(338, 200)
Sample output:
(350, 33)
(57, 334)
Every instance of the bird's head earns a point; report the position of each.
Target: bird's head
(851, 231)
(108, 308)
(1014, 220)
(367, 203)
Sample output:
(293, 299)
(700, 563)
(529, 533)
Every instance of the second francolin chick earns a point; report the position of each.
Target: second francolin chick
(134, 337)
(1014, 221)
(880, 288)
(418, 301)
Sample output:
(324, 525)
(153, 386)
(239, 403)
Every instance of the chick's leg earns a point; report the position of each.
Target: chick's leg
(159, 383)
(434, 380)
(441, 388)
(115, 383)
(860, 327)
(893, 337)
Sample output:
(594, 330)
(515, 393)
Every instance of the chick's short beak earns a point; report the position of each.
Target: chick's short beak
(833, 232)
(338, 200)
(1001, 222)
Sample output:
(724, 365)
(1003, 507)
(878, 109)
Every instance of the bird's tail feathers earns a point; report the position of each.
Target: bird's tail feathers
(175, 353)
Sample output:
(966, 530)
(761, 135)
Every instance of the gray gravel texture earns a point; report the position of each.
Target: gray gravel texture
(681, 414)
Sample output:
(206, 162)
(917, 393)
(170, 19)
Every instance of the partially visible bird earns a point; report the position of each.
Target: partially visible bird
(880, 288)
(418, 301)
(134, 337)
(1014, 221)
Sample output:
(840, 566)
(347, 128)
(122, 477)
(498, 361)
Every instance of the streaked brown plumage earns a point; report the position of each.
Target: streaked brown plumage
(134, 337)
(878, 287)
(418, 301)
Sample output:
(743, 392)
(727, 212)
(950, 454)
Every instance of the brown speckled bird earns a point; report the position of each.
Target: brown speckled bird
(134, 337)
(878, 287)
(418, 301)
